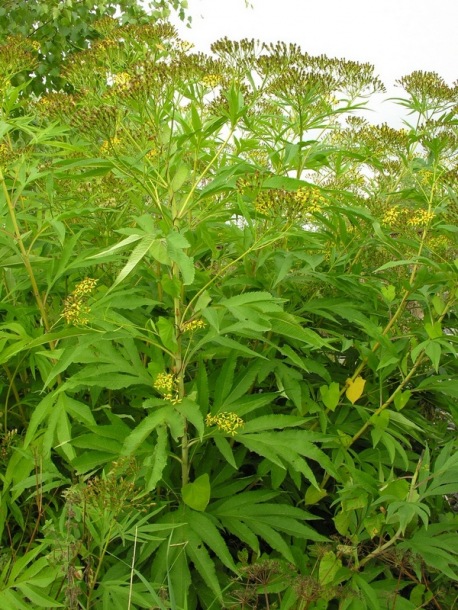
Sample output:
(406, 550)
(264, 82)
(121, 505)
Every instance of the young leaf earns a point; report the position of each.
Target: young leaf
(144, 429)
(330, 395)
(196, 495)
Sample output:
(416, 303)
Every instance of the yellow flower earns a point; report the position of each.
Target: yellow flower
(166, 384)
(421, 218)
(192, 325)
(391, 216)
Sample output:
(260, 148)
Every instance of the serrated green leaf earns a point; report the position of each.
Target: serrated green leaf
(200, 557)
(434, 330)
(179, 177)
(192, 412)
(273, 538)
(225, 449)
(167, 333)
(144, 429)
(158, 461)
(176, 244)
(272, 422)
(137, 254)
(119, 246)
(401, 399)
(314, 495)
(202, 524)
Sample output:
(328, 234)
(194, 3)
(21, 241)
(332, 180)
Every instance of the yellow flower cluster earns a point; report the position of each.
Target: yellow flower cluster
(76, 309)
(190, 327)
(391, 216)
(152, 154)
(404, 216)
(122, 81)
(211, 80)
(264, 204)
(108, 145)
(165, 384)
(426, 176)
(310, 199)
(421, 218)
(228, 422)
(85, 287)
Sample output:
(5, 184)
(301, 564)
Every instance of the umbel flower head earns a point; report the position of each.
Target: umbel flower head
(76, 309)
(166, 384)
(227, 421)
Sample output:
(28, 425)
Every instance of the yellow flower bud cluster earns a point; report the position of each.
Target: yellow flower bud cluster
(7, 442)
(227, 421)
(438, 242)
(190, 327)
(166, 384)
(425, 176)
(260, 157)
(294, 205)
(5, 153)
(184, 46)
(76, 309)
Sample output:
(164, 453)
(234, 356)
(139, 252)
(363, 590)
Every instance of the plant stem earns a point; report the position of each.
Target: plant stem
(24, 254)
(381, 548)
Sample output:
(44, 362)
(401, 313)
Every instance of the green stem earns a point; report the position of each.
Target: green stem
(401, 305)
(401, 386)
(381, 548)
(99, 565)
(24, 254)
(184, 207)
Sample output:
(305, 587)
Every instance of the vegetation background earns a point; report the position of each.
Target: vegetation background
(227, 323)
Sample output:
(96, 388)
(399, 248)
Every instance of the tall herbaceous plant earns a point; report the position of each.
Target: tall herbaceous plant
(227, 331)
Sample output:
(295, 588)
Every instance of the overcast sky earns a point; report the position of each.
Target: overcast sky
(397, 36)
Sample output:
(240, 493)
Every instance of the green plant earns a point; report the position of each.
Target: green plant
(228, 333)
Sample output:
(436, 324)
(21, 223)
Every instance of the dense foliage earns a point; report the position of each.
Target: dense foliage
(228, 332)
(56, 28)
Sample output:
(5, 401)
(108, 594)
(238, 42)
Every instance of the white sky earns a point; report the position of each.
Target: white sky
(397, 36)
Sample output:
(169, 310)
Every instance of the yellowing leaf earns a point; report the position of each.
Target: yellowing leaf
(314, 495)
(329, 566)
(355, 389)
